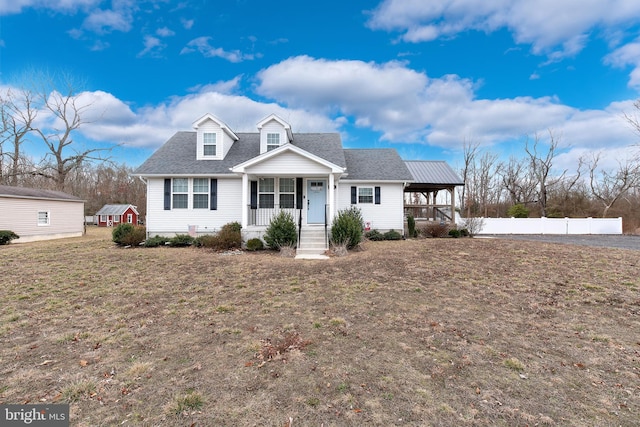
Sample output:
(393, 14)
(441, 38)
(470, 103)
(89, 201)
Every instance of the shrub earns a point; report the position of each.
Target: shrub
(392, 235)
(6, 236)
(181, 240)
(518, 211)
(473, 225)
(204, 241)
(435, 230)
(255, 244)
(156, 241)
(128, 234)
(348, 227)
(374, 235)
(454, 232)
(281, 231)
(411, 226)
(118, 234)
(233, 226)
(228, 237)
(464, 232)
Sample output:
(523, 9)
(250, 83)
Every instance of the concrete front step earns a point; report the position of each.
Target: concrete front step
(312, 243)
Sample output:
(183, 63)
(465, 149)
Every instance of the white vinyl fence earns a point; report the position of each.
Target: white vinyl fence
(551, 226)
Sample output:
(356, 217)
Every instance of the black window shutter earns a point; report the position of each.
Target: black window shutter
(377, 195)
(254, 194)
(298, 193)
(214, 195)
(167, 194)
(354, 195)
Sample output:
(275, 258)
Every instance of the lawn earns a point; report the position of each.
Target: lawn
(443, 332)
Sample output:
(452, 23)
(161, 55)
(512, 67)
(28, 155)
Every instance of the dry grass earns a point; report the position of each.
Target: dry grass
(461, 332)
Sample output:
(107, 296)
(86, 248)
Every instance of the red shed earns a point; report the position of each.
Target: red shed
(114, 215)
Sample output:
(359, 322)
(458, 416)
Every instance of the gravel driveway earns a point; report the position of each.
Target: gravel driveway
(620, 241)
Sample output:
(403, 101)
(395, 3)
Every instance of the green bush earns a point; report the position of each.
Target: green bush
(255, 244)
(120, 232)
(181, 240)
(281, 231)
(411, 226)
(228, 237)
(464, 232)
(156, 241)
(518, 211)
(454, 232)
(6, 236)
(128, 234)
(347, 228)
(392, 235)
(374, 235)
(232, 226)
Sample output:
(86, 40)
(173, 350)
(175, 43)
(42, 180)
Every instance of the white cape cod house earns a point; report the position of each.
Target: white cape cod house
(199, 181)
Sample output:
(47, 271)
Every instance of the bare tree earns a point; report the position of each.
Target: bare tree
(469, 150)
(518, 180)
(17, 112)
(541, 166)
(609, 186)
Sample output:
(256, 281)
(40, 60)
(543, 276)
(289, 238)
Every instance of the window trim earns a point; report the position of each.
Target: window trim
(361, 196)
(200, 192)
(206, 144)
(179, 193)
(271, 193)
(130, 218)
(270, 145)
(291, 192)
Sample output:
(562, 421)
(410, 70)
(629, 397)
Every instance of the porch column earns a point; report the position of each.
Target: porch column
(332, 195)
(245, 200)
(453, 205)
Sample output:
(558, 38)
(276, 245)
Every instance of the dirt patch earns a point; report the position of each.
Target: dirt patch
(418, 332)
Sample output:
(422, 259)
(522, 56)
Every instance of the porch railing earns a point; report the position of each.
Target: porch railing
(326, 225)
(299, 227)
(263, 216)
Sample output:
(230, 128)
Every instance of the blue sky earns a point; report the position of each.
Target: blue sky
(419, 76)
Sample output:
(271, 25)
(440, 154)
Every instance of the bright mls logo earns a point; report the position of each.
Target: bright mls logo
(34, 415)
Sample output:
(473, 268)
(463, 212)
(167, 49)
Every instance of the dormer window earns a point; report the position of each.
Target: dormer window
(209, 144)
(273, 141)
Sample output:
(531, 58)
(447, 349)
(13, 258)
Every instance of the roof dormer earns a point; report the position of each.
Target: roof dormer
(214, 138)
(274, 132)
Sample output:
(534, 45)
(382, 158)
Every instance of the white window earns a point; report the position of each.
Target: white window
(287, 192)
(200, 193)
(130, 218)
(103, 218)
(209, 145)
(116, 218)
(180, 193)
(273, 141)
(365, 195)
(43, 218)
(266, 193)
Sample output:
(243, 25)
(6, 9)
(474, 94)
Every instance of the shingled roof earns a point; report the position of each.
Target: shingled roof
(34, 193)
(178, 155)
(376, 164)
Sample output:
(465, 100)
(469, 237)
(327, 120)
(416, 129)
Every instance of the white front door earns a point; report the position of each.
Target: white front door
(316, 201)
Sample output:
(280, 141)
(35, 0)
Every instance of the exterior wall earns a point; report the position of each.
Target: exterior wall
(388, 215)
(66, 218)
(272, 127)
(134, 217)
(178, 221)
(223, 141)
(289, 164)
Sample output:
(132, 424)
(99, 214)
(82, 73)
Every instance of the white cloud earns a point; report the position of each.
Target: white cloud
(165, 32)
(202, 45)
(408, 106)
(553, 27)
(8, 7)
(628, 54)
(105, 21)
(152, 46)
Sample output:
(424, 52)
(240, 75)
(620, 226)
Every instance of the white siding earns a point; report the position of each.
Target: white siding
(177, 221)
(66, 218)
(388, 215)
(288, 163)
(272, 127)
(223, 140)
